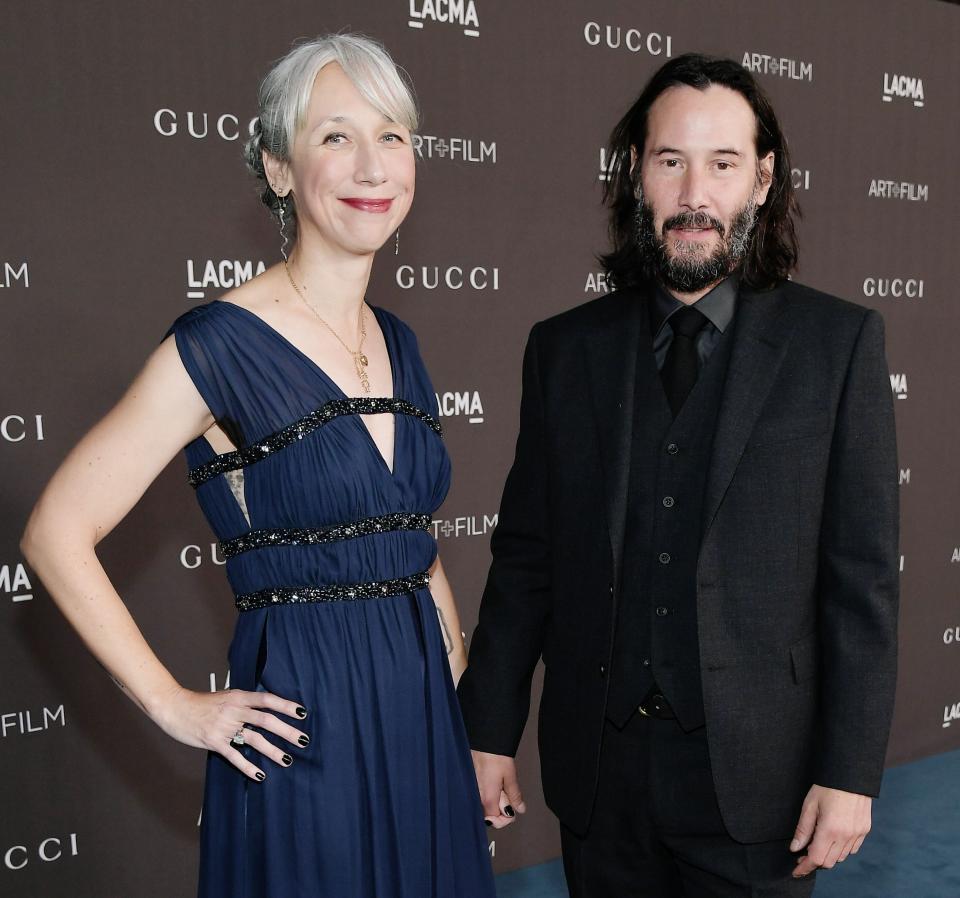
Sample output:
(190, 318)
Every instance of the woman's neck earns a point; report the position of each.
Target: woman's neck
(334, 286)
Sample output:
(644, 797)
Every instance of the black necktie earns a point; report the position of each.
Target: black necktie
(681, 366)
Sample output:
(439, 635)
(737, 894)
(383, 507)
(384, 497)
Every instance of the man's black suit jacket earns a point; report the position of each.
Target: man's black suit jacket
(797, 578)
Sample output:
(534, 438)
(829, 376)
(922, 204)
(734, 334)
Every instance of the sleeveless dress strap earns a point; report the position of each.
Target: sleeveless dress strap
(203, 360)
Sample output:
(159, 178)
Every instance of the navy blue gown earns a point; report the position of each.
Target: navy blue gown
(327, 551)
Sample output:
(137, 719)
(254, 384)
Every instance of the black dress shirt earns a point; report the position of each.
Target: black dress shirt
(718, 307)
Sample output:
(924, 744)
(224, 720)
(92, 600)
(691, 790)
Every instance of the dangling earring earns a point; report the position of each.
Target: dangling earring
(396, 245)
(281, 211)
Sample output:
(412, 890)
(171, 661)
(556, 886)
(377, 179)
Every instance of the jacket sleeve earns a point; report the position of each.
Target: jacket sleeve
(858, 576)
(495, 689)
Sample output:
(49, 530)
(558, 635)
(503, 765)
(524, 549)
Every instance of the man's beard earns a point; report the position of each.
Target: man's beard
(689, 269)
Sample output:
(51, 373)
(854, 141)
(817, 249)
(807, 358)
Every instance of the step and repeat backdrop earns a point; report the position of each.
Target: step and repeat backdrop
(126, 202)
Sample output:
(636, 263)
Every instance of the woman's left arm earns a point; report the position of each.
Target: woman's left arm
(449, 620)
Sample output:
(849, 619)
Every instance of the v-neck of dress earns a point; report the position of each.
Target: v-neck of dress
(295, 350)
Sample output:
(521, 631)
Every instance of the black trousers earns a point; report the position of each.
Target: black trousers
(657, 832)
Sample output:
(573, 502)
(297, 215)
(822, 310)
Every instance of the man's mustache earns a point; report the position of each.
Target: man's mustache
(694, 220)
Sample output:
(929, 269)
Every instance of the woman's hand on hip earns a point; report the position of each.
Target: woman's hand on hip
(212, 720)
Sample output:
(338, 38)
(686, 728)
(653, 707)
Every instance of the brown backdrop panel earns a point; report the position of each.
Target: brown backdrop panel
(127, 202)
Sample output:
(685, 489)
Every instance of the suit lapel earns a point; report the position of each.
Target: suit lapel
(611, 349)
(761, 335)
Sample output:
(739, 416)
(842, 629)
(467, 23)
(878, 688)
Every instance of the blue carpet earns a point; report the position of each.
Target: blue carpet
(912, 852)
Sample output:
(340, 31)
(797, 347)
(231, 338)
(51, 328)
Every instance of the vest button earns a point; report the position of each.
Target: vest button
(603, 671)
(668, 501)
(672, 448)
(664, 558)
(662, 612)
(646, 662)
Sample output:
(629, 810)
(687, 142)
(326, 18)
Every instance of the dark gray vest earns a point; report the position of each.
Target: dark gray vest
(656, 640)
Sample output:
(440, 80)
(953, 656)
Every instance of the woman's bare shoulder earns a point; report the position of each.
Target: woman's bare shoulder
(257, 294)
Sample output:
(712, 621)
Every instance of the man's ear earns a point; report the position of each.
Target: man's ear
(278, 173)
(764, 177)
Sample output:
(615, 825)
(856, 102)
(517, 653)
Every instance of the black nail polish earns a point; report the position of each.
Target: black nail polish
(509, 811)
(304, 741)
(301, 712)
(260, 775)
(488, 822)
(287, 760)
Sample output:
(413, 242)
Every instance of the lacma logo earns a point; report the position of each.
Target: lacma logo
(951, 713)
(15, 274)
(450, 12)
(465, 403)
(221, 274)
(606, 165)
(898, 383)
(15, 582)
(902, 87)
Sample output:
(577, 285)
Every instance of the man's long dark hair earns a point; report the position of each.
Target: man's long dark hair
(773, 246)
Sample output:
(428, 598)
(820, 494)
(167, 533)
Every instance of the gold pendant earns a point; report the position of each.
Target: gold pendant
(359, 360)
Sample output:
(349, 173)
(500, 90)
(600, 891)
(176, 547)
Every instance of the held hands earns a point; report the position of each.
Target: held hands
(499, 788)
(211, 720)
(833, 823)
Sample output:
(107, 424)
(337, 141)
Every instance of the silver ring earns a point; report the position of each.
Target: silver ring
(238, 738)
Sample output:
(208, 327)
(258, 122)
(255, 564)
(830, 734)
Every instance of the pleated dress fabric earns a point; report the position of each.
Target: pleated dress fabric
(383, 803)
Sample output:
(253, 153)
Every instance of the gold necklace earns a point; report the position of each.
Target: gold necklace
(360, 361)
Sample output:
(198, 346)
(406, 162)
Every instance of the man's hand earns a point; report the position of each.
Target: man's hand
(834, 824)
(499, 789)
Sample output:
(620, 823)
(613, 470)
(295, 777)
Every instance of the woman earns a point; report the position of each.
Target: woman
(338, 763)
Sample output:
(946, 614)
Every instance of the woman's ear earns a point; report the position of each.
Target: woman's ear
(277, 172)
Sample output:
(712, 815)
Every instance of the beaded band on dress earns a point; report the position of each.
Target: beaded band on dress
(336, 592)
(240, 458)
(259, 539)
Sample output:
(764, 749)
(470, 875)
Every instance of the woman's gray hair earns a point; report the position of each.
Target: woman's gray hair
(285, 95)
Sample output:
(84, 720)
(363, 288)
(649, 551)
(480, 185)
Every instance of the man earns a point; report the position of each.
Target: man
(699, 532)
